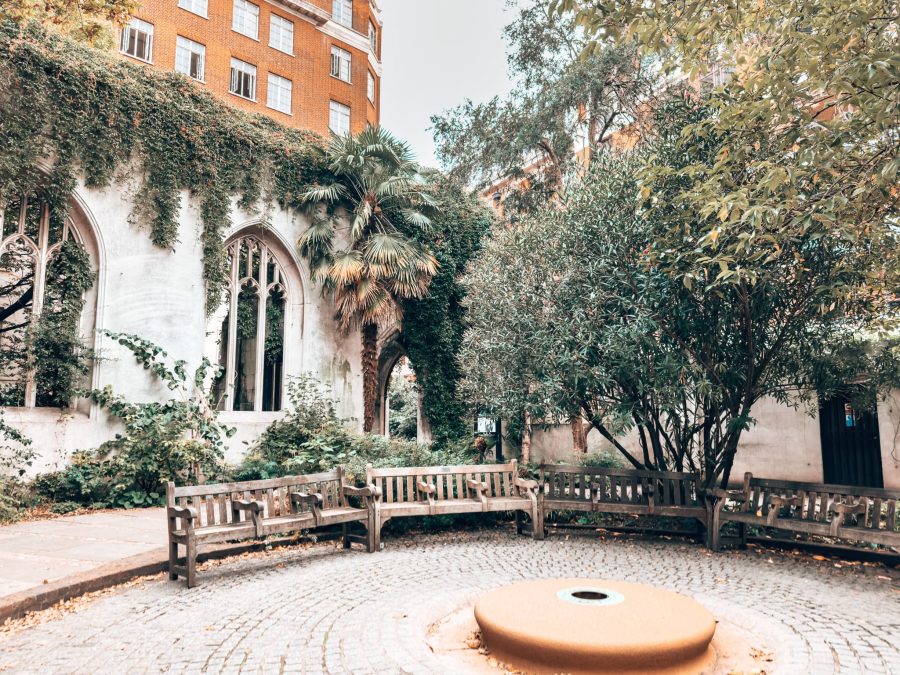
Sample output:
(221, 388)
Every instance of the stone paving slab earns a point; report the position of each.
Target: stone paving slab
(321, 609)
(40, 552)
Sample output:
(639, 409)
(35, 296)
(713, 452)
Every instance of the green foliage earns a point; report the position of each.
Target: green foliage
(16, 450)
(594, 321)
(433, 326)
(403, 400)
(57, 352)
(90, 21)
(179, 439)
(808, 124)
(311, 438)
(560, 96)
(97, 116)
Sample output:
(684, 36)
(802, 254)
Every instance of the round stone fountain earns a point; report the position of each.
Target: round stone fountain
(582, 626)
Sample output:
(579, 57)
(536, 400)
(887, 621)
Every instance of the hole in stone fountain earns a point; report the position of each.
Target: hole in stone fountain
(589, 595)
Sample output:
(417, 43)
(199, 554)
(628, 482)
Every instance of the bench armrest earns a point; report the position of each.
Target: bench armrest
(314, 500)
(368, 491)
(425, 487)
(851, 508)
(247, 505)
(525, 483)
(478, 485)
(186, 512)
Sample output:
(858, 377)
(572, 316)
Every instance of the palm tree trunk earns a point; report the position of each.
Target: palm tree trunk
(370, 374)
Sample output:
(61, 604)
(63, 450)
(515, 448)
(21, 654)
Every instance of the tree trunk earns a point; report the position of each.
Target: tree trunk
(579, 437)
(370, 374)
(526, 439)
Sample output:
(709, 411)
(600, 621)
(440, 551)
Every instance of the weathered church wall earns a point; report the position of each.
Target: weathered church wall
(159, 295)
(784, 443)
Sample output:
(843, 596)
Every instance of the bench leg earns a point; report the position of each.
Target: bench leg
(370, 532)
(173, 560)
(345, 534)
(519, 525)
(713, 541)
(537, 529)
(191, 561)
(742, 528)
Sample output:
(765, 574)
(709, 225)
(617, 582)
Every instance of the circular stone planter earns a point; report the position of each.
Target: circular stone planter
(585, 626)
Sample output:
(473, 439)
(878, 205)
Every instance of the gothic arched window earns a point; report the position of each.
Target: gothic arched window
(45, 273)
(249, 329)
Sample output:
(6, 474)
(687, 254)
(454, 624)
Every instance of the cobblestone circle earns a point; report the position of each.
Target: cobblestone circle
(321, 609)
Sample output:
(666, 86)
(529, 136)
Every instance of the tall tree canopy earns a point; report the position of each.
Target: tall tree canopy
(593, 319)
(810, 123)
(561, 103)
(87, 20)
(373, 266)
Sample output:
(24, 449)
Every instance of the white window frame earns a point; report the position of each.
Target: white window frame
(342, 12)
(198, 7)
(239, 67)
(280, 21)
(341, 64)
(278, 84)
(186, 44)
(373, 38)
(135, 27)
(243, 13)
(338, 113)
(370, 87)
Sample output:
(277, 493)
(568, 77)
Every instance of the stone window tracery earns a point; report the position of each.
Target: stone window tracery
(249, 329)
(39, 253)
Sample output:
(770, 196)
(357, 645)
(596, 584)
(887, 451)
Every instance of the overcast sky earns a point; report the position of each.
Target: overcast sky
(437, 53)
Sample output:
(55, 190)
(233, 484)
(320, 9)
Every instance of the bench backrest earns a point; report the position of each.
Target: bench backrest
(213, 502)
(569, 482)
(398, 484)
(816, 500)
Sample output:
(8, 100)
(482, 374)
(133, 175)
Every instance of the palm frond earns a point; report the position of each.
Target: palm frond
(328, 194)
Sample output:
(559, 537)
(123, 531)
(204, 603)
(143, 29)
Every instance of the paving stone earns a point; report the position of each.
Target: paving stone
(325, 610)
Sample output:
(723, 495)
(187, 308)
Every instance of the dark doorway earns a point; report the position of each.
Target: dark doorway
(851, 446)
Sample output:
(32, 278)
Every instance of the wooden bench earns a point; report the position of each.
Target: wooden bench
(569, 487)
(206, 514)
(440, 490)
(841, 511)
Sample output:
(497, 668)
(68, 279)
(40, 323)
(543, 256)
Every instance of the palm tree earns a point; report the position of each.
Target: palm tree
(370, 267)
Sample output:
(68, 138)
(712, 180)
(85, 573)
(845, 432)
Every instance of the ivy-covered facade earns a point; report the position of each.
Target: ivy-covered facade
(133, 202)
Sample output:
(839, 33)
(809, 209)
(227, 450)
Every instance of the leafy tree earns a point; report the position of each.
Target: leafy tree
(403, 399)
(433, 326)
(369, 272)
(85, 20)
(561, 102)
(808, 125)
(593, 318)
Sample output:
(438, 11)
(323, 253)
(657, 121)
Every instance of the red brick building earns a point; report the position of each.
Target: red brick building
(310, 64)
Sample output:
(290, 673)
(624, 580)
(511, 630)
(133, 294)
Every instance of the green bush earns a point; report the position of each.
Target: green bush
(15, 498)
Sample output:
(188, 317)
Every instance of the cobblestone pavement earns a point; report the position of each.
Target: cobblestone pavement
(324, 610)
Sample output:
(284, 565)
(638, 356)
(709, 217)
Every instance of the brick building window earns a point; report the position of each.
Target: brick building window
(246, 18)
(340, 63)
(190, 58)
(278, 96)
(137, 40)
(281, 34)
(195, 6)
(342, 12)
(243, 79)
(373, 39)
(370, 87)
(339, 119)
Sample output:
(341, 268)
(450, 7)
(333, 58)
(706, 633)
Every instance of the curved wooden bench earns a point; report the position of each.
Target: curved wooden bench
(442, 490)
(862, 514)
(568, 487)
(205, 514)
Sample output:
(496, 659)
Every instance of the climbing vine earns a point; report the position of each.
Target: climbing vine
(96, 116)
(433, 326)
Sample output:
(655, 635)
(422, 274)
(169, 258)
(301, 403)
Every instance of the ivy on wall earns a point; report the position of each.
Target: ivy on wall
(95, 115)
(433, 326)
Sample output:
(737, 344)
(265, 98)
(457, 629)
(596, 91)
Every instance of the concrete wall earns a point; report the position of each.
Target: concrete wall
(160, 296)
(784, 443)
